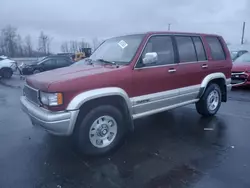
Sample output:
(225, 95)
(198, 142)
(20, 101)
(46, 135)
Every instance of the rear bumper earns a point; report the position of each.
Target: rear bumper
(57, 123)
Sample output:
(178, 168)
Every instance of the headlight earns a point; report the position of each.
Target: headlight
(51, 99)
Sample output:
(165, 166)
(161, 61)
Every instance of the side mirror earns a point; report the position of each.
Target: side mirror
(150, 58)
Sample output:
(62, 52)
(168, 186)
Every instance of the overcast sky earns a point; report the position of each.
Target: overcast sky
(76, 19)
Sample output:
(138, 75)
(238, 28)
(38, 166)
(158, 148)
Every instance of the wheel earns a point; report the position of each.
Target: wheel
(210, 102)
(7, 73)
(36, 71)
(100, 131)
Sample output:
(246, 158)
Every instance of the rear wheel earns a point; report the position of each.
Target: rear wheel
(210, 102)
(100, 131)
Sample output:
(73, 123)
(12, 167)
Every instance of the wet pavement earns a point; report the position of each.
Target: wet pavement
(176, 149)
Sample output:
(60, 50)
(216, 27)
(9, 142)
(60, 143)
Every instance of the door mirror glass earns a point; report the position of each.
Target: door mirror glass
(150, 58)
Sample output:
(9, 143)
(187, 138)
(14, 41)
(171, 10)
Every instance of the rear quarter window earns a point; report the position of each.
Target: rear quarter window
(200, 51)
(216, 48)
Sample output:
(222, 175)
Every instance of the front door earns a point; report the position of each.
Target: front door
(155, 86)
(49, 64)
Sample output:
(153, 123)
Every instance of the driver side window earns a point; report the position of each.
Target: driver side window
(163, 46)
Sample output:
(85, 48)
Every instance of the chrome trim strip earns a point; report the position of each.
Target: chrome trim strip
(136, 116)
(150, 102)
(154, 97)
(190, 89)
(240, 73)
(173, 64)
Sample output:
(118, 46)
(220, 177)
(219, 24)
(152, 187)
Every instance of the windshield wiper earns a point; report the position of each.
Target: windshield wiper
(108, 62)
(89, 61)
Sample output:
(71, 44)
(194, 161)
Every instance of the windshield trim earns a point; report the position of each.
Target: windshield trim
(242, 60)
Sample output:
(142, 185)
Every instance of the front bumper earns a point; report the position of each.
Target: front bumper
(27, 71)
(57, 123)
(240, 79)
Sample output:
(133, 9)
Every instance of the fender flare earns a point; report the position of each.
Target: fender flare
(211, 77)
(86, 96)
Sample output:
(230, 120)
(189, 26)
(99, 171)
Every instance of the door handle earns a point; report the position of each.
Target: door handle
(171, 70)
(204, 66)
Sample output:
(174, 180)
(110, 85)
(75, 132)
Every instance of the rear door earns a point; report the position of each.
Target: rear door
(63, 62)
(155, 86)
(192, 63)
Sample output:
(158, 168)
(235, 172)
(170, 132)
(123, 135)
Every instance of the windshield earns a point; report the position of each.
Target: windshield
(243, 58)
(120, 50)
(81, 62)
(233, 54)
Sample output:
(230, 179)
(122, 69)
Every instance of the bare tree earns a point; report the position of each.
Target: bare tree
(9, 37)
(2, 46)
(28, 46)
(83, 44)
(19, 46)
(96, 42)
(73, 46)
(65, 47)
(44, 43)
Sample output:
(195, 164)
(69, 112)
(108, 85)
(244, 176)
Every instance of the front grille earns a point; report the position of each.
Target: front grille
(237, 72)
(31, 94)
(238, 78)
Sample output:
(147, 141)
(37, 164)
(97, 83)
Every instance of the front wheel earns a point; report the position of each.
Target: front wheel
(210, 102)
(101, 131)
(7, 73)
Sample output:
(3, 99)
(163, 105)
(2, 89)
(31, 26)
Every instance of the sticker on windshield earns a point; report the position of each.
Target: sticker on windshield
(122, 44)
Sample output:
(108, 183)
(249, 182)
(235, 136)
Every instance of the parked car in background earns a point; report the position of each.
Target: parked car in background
(47, 63)
(241, 70)
(129, 77)
(7, 67)
(236, 54)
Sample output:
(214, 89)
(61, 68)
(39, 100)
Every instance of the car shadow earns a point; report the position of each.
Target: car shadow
(179, 145)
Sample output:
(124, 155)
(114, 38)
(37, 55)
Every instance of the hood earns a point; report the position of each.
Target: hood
(6, 63)
(241, 67)
(43, 80)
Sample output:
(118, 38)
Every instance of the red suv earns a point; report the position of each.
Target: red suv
(126, 78)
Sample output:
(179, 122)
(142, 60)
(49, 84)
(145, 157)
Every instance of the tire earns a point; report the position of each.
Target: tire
(36, 71)
(210, 102)
(7, 73)
(94, 137)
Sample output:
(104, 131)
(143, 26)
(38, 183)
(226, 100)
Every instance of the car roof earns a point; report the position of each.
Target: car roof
(148, 33)
(57, 56)
(180, 33)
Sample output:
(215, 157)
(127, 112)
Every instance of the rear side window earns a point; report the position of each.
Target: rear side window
(186, 49)
(201, 55)
(216, 48)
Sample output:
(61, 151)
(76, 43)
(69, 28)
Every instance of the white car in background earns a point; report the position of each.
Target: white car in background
(7, 67)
